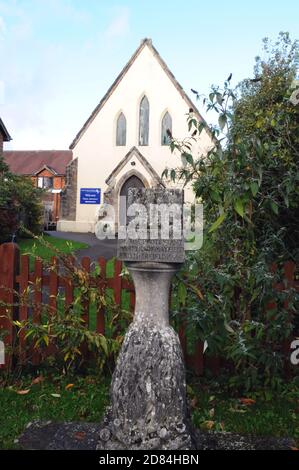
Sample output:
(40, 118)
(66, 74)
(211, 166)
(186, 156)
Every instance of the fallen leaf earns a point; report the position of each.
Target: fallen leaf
(208, 424)
(69, 386)
(55, 395)
(247, 401)
(23, 392)
(79, 436)
(37, 380)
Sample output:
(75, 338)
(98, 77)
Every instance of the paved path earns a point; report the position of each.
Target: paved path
(96, 248)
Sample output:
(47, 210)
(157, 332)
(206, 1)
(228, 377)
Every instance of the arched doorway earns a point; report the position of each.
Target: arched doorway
(132, 182)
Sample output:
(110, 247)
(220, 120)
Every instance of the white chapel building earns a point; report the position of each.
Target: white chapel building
(125, 142)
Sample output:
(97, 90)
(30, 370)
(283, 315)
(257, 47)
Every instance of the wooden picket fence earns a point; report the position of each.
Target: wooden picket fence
(16, 276)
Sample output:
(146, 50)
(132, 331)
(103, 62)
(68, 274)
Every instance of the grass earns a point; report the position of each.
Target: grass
(260, 417)
(85, 399)
(36, 248)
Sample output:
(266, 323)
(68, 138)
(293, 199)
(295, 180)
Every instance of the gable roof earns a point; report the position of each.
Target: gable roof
(4, 132)
(31, 162)
(45, 167)
(144, 42)
(135, 152)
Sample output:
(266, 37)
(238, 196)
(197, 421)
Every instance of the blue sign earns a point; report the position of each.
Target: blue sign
(90, 196)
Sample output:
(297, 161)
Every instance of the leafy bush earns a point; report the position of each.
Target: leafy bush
(20, 201)
(248, 184)
(62, 339)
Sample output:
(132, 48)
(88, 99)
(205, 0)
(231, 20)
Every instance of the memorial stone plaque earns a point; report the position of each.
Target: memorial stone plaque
(157, 226)
(148, 390)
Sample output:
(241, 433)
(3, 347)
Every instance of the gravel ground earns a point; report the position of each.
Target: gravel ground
(96, 248)
(84, 436)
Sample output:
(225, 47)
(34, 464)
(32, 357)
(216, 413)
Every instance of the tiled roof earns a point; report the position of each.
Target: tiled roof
(29, 162)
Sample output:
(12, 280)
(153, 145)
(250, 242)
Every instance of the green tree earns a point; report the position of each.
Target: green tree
(249, 187)
(20, 203)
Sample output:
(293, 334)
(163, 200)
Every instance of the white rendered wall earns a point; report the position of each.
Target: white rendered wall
(96, 150)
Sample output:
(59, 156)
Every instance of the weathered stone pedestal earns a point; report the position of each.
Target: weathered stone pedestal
(148, 391)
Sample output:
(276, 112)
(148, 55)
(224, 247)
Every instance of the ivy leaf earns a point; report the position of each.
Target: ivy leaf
(217, 223)
(239, 208)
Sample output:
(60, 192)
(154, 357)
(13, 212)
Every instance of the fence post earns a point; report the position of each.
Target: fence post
(117, 281)
(9, 268)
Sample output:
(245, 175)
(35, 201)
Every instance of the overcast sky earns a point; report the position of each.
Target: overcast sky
(58, 57)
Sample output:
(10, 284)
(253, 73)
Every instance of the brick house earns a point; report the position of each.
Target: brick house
(47, 169)
(4, 135)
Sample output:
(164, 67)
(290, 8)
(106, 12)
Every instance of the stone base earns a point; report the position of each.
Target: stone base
(148, 394)
(84, 436)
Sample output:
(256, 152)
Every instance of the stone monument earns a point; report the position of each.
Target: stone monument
(148, 391)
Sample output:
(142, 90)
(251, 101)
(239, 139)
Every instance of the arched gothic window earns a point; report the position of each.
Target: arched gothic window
(121, 130)
(144, 121)
(166, 128)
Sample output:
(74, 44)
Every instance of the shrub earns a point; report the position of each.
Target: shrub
(248, 184)
(61, 339)
(20, 202)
